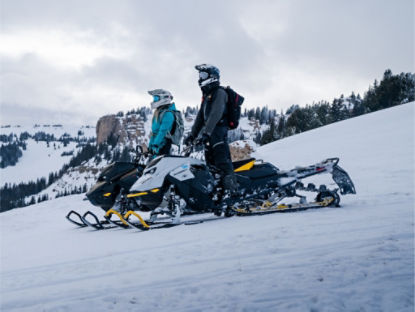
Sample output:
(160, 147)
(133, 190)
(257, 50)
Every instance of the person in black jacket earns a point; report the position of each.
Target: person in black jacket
(211, 127)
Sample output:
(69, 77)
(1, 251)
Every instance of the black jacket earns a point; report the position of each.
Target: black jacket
(211, 113)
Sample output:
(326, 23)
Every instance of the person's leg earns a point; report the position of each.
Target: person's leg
(222, 158)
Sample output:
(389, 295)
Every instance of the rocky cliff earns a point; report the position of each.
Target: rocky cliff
(127, 129)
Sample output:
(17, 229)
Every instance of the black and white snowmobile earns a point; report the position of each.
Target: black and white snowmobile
(115, 179)
(173, 186)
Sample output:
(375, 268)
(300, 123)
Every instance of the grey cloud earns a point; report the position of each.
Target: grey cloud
(361, 36)
(350, 41)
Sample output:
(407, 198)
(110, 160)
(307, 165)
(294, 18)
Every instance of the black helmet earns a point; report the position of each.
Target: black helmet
(208, 74)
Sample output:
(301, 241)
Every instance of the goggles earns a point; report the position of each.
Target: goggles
(203, 75)
(156, 98)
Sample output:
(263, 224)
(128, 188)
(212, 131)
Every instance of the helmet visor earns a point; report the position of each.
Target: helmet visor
(203, 75)
(156, 98)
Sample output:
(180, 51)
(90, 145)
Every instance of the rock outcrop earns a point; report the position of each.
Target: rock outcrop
(106, 126)
(127, 130)
(240, 150)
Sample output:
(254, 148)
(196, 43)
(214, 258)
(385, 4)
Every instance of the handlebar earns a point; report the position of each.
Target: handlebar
(191, 148)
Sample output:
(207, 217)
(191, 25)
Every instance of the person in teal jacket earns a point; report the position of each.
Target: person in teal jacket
(162, 123)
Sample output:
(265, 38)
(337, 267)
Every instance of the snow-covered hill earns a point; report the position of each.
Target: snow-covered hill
(40, 158)
(355, 258)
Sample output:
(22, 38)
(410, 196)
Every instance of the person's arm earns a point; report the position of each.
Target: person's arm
(166, 125)
(217, 109)
(151, 141)
(198, 124)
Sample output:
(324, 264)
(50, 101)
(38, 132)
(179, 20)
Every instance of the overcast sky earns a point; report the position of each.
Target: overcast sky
(75, 61)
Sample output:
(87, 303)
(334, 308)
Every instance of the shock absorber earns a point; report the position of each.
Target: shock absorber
(174, 205)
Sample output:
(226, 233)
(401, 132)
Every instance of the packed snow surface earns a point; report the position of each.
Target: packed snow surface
(355, 258)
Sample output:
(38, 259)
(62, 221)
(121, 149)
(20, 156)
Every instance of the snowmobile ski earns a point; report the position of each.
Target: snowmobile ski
(79, 221)
(88, 219)
(96, 223)
(141, 225)
(146, 225)
(120, 223)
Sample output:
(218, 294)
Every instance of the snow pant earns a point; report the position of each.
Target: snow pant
(217, 154)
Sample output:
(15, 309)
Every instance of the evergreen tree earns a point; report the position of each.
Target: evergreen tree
(269, 135)
(125, 155)
(281, 133)
(32, 201)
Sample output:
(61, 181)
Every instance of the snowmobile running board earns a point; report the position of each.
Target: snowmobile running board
(268, 207)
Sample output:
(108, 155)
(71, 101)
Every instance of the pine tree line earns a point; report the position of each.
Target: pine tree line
(10, 153)
(13, 196)
(12, 150)
(72, 191)
(391, 91)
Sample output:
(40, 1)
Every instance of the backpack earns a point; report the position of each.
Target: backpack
(233, 108)
(176, 132)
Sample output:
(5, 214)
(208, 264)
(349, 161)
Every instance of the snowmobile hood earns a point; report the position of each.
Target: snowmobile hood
(155, 173)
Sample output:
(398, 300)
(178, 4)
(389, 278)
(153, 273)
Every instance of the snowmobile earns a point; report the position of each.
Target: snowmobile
(114, 180)
(175, 186)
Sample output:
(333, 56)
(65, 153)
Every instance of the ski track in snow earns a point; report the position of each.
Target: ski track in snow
(355, 258)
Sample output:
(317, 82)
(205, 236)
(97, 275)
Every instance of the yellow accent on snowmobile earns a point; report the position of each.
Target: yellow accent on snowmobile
(107, 194)
(247, 166)
(112, 211)
(143, 193)
(266, 204)
(143, 223)
(137, 194)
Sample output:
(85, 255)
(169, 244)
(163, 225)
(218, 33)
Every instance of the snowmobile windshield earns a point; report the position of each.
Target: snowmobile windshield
(105, 172)
(153, 162)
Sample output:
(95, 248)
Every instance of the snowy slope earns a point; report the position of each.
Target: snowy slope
(355, 258)
(38, 160)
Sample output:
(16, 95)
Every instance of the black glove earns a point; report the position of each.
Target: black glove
(188, 140)
(205, 139)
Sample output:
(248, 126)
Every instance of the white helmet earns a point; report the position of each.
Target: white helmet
(160, 98)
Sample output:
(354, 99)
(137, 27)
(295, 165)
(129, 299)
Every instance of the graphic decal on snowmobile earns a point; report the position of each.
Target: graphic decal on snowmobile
(247, 166)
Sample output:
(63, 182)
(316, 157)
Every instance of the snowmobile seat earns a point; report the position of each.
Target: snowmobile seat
(238, 164)
(260, 171)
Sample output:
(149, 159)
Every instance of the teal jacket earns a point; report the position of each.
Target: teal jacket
(161, 127)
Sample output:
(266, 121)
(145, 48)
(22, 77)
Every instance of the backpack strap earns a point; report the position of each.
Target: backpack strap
(173, 128)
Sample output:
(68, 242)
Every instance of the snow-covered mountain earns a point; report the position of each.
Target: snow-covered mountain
(41, 157)
(355, 258)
